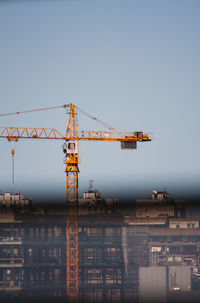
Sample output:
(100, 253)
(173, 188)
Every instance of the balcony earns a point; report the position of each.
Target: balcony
(10, 240)
(11, 262)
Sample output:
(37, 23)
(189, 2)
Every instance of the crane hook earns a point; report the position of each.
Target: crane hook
(13, 154)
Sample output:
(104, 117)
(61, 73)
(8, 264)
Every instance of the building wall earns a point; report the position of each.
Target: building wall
(154, 208)
(153, 284)
(180, 278)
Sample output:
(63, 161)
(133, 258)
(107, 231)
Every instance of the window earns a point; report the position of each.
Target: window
(30, 252)
(50, 233)
(93, 276)
(112, 254)
(92, 255)
(57, 232)
(42, 232)
(113, 276)
(94, 231)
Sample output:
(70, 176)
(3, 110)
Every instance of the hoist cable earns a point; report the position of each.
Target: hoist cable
(13, 167)
(13, 170)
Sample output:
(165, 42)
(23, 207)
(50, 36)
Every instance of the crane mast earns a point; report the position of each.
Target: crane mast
(70, 148)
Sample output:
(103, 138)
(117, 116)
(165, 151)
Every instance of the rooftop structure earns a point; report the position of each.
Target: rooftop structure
(14, 200)
(160, 205)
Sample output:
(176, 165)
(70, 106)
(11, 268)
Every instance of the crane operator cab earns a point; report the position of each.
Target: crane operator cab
(70, 148)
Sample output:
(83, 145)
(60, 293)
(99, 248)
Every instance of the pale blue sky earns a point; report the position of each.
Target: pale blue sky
(134, 64)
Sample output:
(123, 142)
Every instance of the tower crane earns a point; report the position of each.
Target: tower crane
(71, 140)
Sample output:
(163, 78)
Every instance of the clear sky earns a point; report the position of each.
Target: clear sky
(133, 64)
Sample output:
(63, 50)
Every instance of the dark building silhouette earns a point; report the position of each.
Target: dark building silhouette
(113, 249)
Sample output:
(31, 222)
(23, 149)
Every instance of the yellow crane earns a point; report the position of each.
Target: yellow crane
(71, 140)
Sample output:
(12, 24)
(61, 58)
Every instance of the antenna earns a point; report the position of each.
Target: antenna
(90, 184)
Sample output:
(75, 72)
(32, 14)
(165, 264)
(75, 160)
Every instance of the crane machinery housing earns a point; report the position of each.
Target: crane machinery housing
(71, 140)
